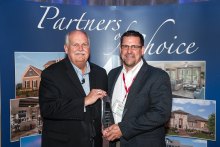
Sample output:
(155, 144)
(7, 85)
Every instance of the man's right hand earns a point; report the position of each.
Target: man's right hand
(94, 95)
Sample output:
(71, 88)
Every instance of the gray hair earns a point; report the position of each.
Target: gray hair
(68, 34)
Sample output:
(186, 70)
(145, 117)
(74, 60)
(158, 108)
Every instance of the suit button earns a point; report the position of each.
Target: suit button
(93, 121)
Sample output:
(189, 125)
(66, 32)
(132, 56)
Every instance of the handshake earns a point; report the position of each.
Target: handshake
(110, 130)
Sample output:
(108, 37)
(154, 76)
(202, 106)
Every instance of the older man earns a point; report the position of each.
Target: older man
(141, 98)
(70, 93)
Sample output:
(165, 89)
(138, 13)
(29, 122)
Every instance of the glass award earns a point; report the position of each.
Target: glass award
(107, 116)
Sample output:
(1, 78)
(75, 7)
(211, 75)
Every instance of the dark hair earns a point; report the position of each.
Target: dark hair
(135, 34)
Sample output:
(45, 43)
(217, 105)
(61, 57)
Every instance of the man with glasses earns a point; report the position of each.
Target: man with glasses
(141, 98)
(69, 97)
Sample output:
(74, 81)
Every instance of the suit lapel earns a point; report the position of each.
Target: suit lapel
(114, 81)
(137, 84)
(92, 78)
(73, 76)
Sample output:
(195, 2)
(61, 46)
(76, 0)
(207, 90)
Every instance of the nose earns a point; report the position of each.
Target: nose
(129, 49)
(80, 47)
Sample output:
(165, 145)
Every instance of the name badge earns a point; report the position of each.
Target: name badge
(118, 108)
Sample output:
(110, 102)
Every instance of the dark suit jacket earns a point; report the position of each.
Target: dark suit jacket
(61, 98)
(147, 109)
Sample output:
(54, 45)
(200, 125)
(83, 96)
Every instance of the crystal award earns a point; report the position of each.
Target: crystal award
(107, 116)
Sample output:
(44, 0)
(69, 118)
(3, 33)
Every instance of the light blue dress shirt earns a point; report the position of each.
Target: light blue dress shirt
(85, 76)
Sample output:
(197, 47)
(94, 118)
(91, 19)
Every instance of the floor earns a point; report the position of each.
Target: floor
(182, 93)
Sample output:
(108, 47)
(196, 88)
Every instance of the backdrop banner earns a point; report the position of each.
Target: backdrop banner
(183, 38)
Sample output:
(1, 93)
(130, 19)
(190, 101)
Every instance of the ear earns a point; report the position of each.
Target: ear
(142, 50)
(120, 49)
(66, 49)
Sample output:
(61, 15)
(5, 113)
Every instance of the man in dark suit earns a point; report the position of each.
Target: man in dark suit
(141, 98)
(69, 97)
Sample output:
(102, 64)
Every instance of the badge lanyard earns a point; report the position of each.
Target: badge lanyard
(127, 89)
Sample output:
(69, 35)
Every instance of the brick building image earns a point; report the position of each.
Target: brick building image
(192, 118)
(31, 80)
(183, 120)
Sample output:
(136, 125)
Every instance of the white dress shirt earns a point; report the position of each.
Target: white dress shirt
(119, 91)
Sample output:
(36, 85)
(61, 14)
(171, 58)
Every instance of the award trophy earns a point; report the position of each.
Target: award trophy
(107, 116)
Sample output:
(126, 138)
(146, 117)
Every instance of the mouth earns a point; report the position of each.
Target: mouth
(129, 56)
(79, 53)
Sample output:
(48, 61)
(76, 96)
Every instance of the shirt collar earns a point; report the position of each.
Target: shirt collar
(135, 69)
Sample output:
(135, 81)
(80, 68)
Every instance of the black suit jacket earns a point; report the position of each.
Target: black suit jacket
(147, 109)
(61, 98)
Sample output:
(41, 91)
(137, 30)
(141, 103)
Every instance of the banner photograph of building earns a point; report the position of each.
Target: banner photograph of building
(193, 118)
(187, 77)
(25, 118)
(28, 68)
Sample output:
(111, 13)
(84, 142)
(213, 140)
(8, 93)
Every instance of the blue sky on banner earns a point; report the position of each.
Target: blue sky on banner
(188, 141)
(195, 107)
(36, 59)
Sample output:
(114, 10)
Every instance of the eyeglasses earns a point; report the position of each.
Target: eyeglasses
(77, 45)
(133, 47)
